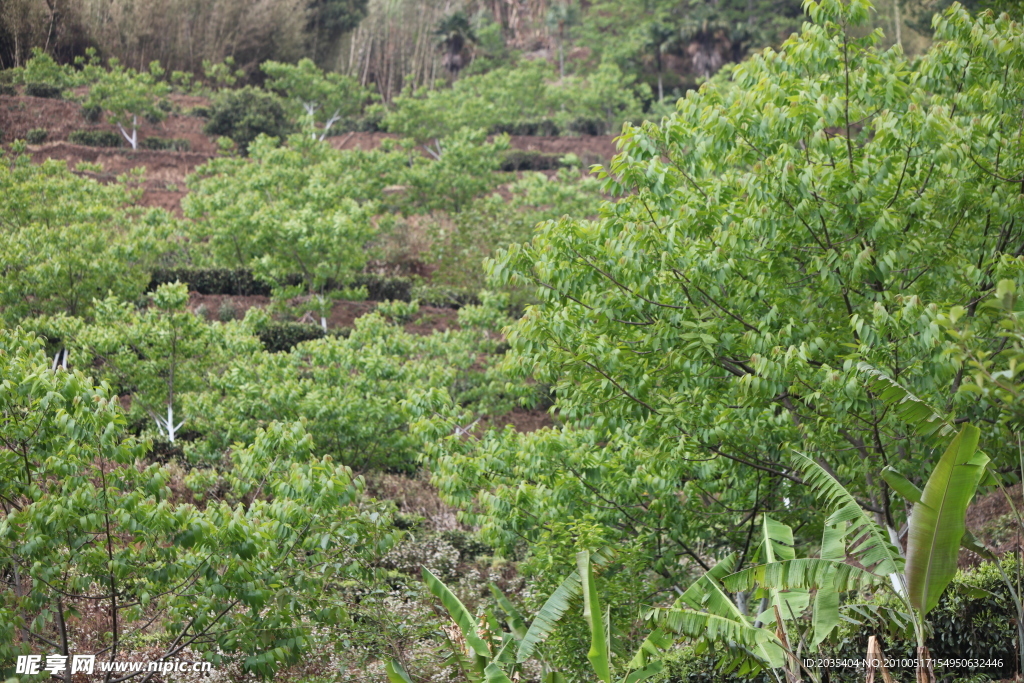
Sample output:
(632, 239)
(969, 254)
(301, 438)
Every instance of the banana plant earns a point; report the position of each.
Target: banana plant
(481, 650)
(936, 530)
(787, 581)
(937, 527)
(599, 623)
(487, 654)
(706, 613)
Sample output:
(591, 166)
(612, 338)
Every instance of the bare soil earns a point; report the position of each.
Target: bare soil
(990, 518)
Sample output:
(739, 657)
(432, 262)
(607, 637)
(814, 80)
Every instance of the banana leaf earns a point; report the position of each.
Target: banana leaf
(937, 520)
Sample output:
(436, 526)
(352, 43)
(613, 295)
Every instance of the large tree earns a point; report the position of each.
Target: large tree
(779, 241)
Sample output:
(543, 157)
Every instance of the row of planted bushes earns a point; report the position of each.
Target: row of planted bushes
(548, 127)
(242, 282)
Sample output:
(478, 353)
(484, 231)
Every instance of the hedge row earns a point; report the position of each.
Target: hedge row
(529, 160)
(46, 90)
(548, 127)
(95, 138)
(278, 337)
(173, 144)
(241, 282)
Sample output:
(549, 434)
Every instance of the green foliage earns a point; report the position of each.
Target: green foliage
(529, 160)
(84, 525)
(36, 136)
(349, 391)
(713, 318)
(45, 90)
(317, 97)
(300, 195)
(95, 138)
(277, 337)
(464, 240)
(974, 619)
(541, 127)
(126, 94)
(246, 113)
(504, 96)
(462, 168)
(937, 521)
(67, 240)
(174, 144)
(44, 77)
(93, 113)
(155, 354)
(239, 282)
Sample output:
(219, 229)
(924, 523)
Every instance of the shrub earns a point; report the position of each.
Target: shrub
(173, 144)
(227, 311)
(974, 619)
(529, 160)
(242, 282)
(445, 297)
(278, 337)
(584, 125)
(199, 112)
(8, 89)
(92, 112)
(46, 90)
(36, 136)
(381, 288)
(245, 113)
(224, 281)
(95, 138)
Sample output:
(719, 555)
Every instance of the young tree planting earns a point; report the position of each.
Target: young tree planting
(320, 99)
(126, 94)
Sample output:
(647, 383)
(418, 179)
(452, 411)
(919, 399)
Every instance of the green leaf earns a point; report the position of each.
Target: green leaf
(599, 651)
(555, 607)
(644, 674)
(901, 485)
(396, 672)
(826, 601)
(911, 409)
(460, 615)
(970, 542)
(868, 542)
(937, 521)
(494, 674)
(515, 620)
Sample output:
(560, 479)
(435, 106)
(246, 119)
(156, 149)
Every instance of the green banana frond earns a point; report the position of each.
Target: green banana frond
(396, 672)
(514, 619)
(802, 574)
(869, 543)
(937, 521)
(555, 607)
(459, 614)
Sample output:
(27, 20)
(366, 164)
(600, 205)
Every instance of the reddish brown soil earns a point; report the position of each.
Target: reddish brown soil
(990, 518)
(521, 420)
(60, 118)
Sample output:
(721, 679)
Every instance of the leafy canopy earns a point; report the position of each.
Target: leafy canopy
(820, 210)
